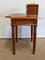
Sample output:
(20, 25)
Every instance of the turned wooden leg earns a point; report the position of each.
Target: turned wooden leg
(34, 39)
(16, 33)
(13, 40)
(31, 33)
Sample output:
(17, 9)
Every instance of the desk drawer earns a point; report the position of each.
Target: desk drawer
(21, 22)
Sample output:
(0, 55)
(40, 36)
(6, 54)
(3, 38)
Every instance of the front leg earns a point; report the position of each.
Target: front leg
(34, 40)
(13, 40)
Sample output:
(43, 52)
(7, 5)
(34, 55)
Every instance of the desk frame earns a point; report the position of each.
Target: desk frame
(24, 20)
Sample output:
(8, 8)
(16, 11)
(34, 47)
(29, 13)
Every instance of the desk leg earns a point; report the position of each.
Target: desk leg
(34, 39)
(16, 33)
(31, 33)
(13, 40)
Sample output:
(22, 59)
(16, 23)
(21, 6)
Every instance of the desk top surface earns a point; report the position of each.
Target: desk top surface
(21, 16)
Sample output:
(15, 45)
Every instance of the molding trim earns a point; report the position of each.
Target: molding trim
(19, 38)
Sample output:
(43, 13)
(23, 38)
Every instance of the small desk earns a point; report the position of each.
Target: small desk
(23, 19)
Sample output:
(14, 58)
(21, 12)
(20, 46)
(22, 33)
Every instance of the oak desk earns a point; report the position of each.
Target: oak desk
(23, 19)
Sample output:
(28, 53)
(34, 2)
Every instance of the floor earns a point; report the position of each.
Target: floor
(23, 50)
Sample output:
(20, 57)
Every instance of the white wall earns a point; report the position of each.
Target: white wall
(19, 6)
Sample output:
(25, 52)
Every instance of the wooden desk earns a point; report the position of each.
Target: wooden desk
(23, 19)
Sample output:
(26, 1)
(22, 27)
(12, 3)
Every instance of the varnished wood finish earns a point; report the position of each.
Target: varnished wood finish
(16, 33)
(32, 9)
(24, 21)
(31, 33)
(29, 19)
(13, 40)
(34, 40)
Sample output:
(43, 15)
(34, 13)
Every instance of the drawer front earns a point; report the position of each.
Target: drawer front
(21, 22)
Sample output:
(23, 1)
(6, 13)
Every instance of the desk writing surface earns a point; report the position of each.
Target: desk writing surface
(21, 16)
(22, 19)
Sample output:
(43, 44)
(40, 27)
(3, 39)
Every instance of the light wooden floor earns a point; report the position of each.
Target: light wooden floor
(23, 50)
